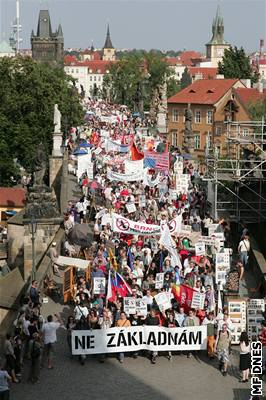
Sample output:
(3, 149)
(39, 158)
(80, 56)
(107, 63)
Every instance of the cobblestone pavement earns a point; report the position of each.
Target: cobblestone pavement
(182, 378)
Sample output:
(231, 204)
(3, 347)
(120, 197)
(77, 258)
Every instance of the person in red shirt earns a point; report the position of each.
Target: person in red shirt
(262, 338)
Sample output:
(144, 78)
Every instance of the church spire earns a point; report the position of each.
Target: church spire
(217, 28)
(108, 43)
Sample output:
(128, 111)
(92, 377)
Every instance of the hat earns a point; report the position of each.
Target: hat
(54, 244)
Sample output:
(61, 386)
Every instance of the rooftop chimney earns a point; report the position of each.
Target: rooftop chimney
(261, 48)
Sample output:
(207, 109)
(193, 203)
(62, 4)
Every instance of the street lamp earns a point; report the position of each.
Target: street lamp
(33, 229)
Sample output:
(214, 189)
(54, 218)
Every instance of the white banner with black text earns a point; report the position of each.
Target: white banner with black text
(152, 338)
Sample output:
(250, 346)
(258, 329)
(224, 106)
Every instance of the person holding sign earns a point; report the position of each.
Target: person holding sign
(122, 322)
(191, 320)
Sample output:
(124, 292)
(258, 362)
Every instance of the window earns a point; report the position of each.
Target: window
(197, 117)
(245, 132)
(209, 117)
(197, 141)
(174, 138)
(95, 78)
(90, 78)
(99, 78)
(77, 71)
(72, 71)
(218, 131)
(175, 115)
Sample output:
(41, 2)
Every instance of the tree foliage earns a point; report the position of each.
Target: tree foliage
(236, 65)
(28, 92)
(257, 110)
(121, 83)
(185, 79)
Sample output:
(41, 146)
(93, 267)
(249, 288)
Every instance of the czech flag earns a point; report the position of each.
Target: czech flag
(117, 287)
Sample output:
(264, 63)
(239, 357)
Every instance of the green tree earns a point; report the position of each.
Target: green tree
(257, 110)
(185, 79)
(121, 83)
(28, 92)
(173, 87)
(236, 65)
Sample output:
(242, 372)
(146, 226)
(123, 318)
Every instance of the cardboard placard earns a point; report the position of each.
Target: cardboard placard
(130, 305)
(159, 279)
(131, 208)
(198, 300)
(141, 308)
(99, 285)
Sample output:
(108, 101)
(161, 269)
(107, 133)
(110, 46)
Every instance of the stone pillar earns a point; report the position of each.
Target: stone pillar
(44, 235)
(56, 160)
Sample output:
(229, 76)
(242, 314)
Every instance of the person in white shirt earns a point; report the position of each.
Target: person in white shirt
(49, 337)
(243, 249)
(80, 311)
(148, 298)
(225, 321)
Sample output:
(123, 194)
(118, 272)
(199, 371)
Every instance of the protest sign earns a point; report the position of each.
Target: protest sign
(163, 301)
(99, 285)
(198, 300)
(130, 305)
(90, 170)
(199, 249)
(132, 166)
(141, 307)
(124, 225)
(131, 208)
(151, 338)
(116, 176)
(159, 279)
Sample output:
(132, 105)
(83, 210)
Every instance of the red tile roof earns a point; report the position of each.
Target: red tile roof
(203, 91)
(12, 197)
(247, 95)
(262, 62)
(187, 56)
(172, 60)
(207, 73)
(97, 66)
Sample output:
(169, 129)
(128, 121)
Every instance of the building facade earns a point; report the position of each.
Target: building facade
(47, 46)
(212, 102)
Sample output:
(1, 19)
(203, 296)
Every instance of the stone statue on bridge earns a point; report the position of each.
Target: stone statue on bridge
(57, 119)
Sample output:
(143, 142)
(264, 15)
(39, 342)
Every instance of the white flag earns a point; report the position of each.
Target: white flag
(167, 242)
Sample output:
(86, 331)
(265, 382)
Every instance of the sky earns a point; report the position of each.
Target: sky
(145, 24)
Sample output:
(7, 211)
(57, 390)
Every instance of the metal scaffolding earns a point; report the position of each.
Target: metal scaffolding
(236, 180)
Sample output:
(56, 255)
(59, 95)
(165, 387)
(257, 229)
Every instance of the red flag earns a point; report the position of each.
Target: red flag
(135, 153)
(183, 294)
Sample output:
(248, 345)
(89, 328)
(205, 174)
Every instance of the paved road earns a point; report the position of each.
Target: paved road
(136, 379)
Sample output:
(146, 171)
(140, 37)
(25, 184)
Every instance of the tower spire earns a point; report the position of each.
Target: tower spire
(218, 28)
(108, 42)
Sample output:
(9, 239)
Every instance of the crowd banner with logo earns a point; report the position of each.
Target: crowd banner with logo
(132, 166)
(116, 176)
(127, 226)
(152, 338)
(99, 285)
(159, 161)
